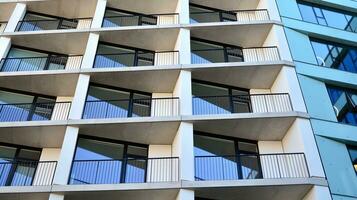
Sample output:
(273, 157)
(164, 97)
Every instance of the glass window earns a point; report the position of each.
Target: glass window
(202, 14)
(37, 21)
(335, 56)
(353, 153)
(114, 17)
(327, 16)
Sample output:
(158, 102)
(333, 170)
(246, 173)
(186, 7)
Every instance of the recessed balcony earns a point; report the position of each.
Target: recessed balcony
(2, 26)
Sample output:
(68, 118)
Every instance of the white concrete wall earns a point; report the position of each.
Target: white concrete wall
(183, 45)
(276, 37)
(318, 193)
(5, 45)
(99, 14)
(185, 194)
(16, 16)
(91, 50)
(300, 138)
(66, 156)
(182, 147)
(79, 98)
(287, 82)
(271, 7)
(183, 90)
(167, 19)
(270, 147)
(46, 169)
(84, 23)
(61, 110)
(183, 9)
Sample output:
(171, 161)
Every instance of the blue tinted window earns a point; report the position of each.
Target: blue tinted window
(353, 154)
(328, 16)
(335, 56)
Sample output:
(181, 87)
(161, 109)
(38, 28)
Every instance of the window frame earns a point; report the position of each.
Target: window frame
(131, 14)
(349, 147)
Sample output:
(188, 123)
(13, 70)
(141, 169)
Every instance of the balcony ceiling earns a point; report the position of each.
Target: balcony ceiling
(145, 6)
(162, 39)
(64, 8)
(6, 11)
(47, 84)
(54, 42)
(244, 35)
(228, 4)
(23, 196)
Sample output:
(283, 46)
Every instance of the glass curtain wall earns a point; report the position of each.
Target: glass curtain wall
(224, 158)
(17, 165)
(103, 161)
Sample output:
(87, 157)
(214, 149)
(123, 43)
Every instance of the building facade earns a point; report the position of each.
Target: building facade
(156, 99)
(322, 37)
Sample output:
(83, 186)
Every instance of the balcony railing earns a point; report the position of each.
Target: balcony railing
(34, 111)
(54, 24)
(40, 63)
(2, 26)
(136, 59)
(140, 20)
(265, 166)
(260, 54)
(256, 103)
(138, 170)
(229, 16)
(154, 107)
(27, 173)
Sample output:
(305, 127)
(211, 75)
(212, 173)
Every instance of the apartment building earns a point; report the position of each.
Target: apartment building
(326, 67)
(152, 99)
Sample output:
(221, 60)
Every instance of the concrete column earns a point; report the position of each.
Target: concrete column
(79, 98)
(54, 196)
(182, 147)
(183, 45)
(16, 16)
(183, 90)
(184, 11)
(99, 14)
(66, 156)
(5, 45)
(185, 194)
(276, 37)
(271, 7)
(91, 50)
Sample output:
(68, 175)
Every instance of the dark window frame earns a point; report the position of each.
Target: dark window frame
(349, 147)
(210, 9)
(59, 18)
(132, 14)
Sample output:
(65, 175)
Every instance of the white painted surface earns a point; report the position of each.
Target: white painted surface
(162, 168)
(167, 19)
(300, 138)
(62, 108)
(185, 194)
(79, 98)
(270, 147)
(287, 82)
(261, 54)
(45, 169)
(253, 15)
(74, 62)
(182, 147)
(271, 7)
(184, 92)
(166, 58)
(159, 151)
(50, 154)
(91, 50)
(84, 23)
(17, 15)
(5, 45)
(276, 37)
(66, 156)
(318, 193)
(54, 196)
(161, 107)
(183, 45)
(99, 14)
(183, 9)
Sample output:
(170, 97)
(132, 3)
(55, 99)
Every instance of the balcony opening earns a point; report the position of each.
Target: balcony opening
(23, 106)
(34, 21)
(22, 58)
(21, 166)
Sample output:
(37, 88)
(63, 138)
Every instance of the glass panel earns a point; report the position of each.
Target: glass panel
(250, 166)
(234, 54)
(43, 109)
(7, 153)
(141, 105)
(206, 53)
(112, 56)
(229, 16)
(248, 147)
(24, 60)
(24, 173)
(148, 20)
(201, 15)
(145, 59)
(210, 99)
(307, 13)
(26, 154)
(210, 146)
(353, 154)
(88, 149)
(114, 18)
(34, 22)
(57, 62)
(16, 108)
(106, 103)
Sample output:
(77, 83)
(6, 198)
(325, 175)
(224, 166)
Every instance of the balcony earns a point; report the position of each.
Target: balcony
(40, 63)
(218, 55)
(136, 59)
(141, 20)
(54, 24)
(126, 108)
(265, 166)
(229, 16)
(2, 26)
(130, 170)
(34, 111)
(26, 173)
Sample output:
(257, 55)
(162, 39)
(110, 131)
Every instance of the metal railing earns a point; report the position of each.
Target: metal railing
(136, 59)
(259, 54)
(255, 103)
(154, 107)
(27, 173)
(229, 16)
(54, 24)
(34, 111)
(40, 63)
(251, 166)
(138, 170)
(141, 20)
